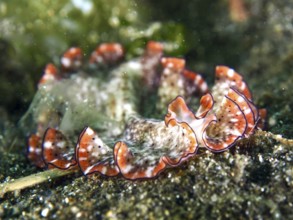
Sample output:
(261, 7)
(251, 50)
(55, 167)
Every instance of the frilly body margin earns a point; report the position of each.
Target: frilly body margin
(225, 115)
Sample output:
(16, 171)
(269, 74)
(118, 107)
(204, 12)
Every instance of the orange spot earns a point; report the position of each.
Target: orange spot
(189, 74)
(107, 53)
(71, 59)
(173, 63)
(222, 72)
(154, 47)
(73, 53)
(110, 48)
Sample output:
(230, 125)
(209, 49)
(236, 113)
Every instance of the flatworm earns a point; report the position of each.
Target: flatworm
(92, 119)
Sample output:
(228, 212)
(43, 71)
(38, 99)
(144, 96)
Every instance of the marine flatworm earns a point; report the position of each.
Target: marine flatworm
(94, 116)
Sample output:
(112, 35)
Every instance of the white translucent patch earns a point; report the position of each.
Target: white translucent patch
(203, 87)
(134, 65)
(96, 154)
(127, 168)
(158, 139)
(82, 158)
(247, 111)
(103, 151)
(87, 170)
(81, 149)
(234, 120)
(72, 50)
(236, 133)
(31, 149)
(104, 170)
(173, 154)
(128, 107)
(68, 165)
(243, 86)
(167, 72)
(180, 83)
(53, 161)
(98, 142)
(225, 145)
(89, 148)
(89, 131)
(238, 112)
(48, 145)
(149, 172)
(66, 61)
(170, 65)
(197, 79)
(230, 73)
(61, 144)
(240, 99)
(47, 77)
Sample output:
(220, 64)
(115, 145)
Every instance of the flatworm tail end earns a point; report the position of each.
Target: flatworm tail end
(57, 150)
